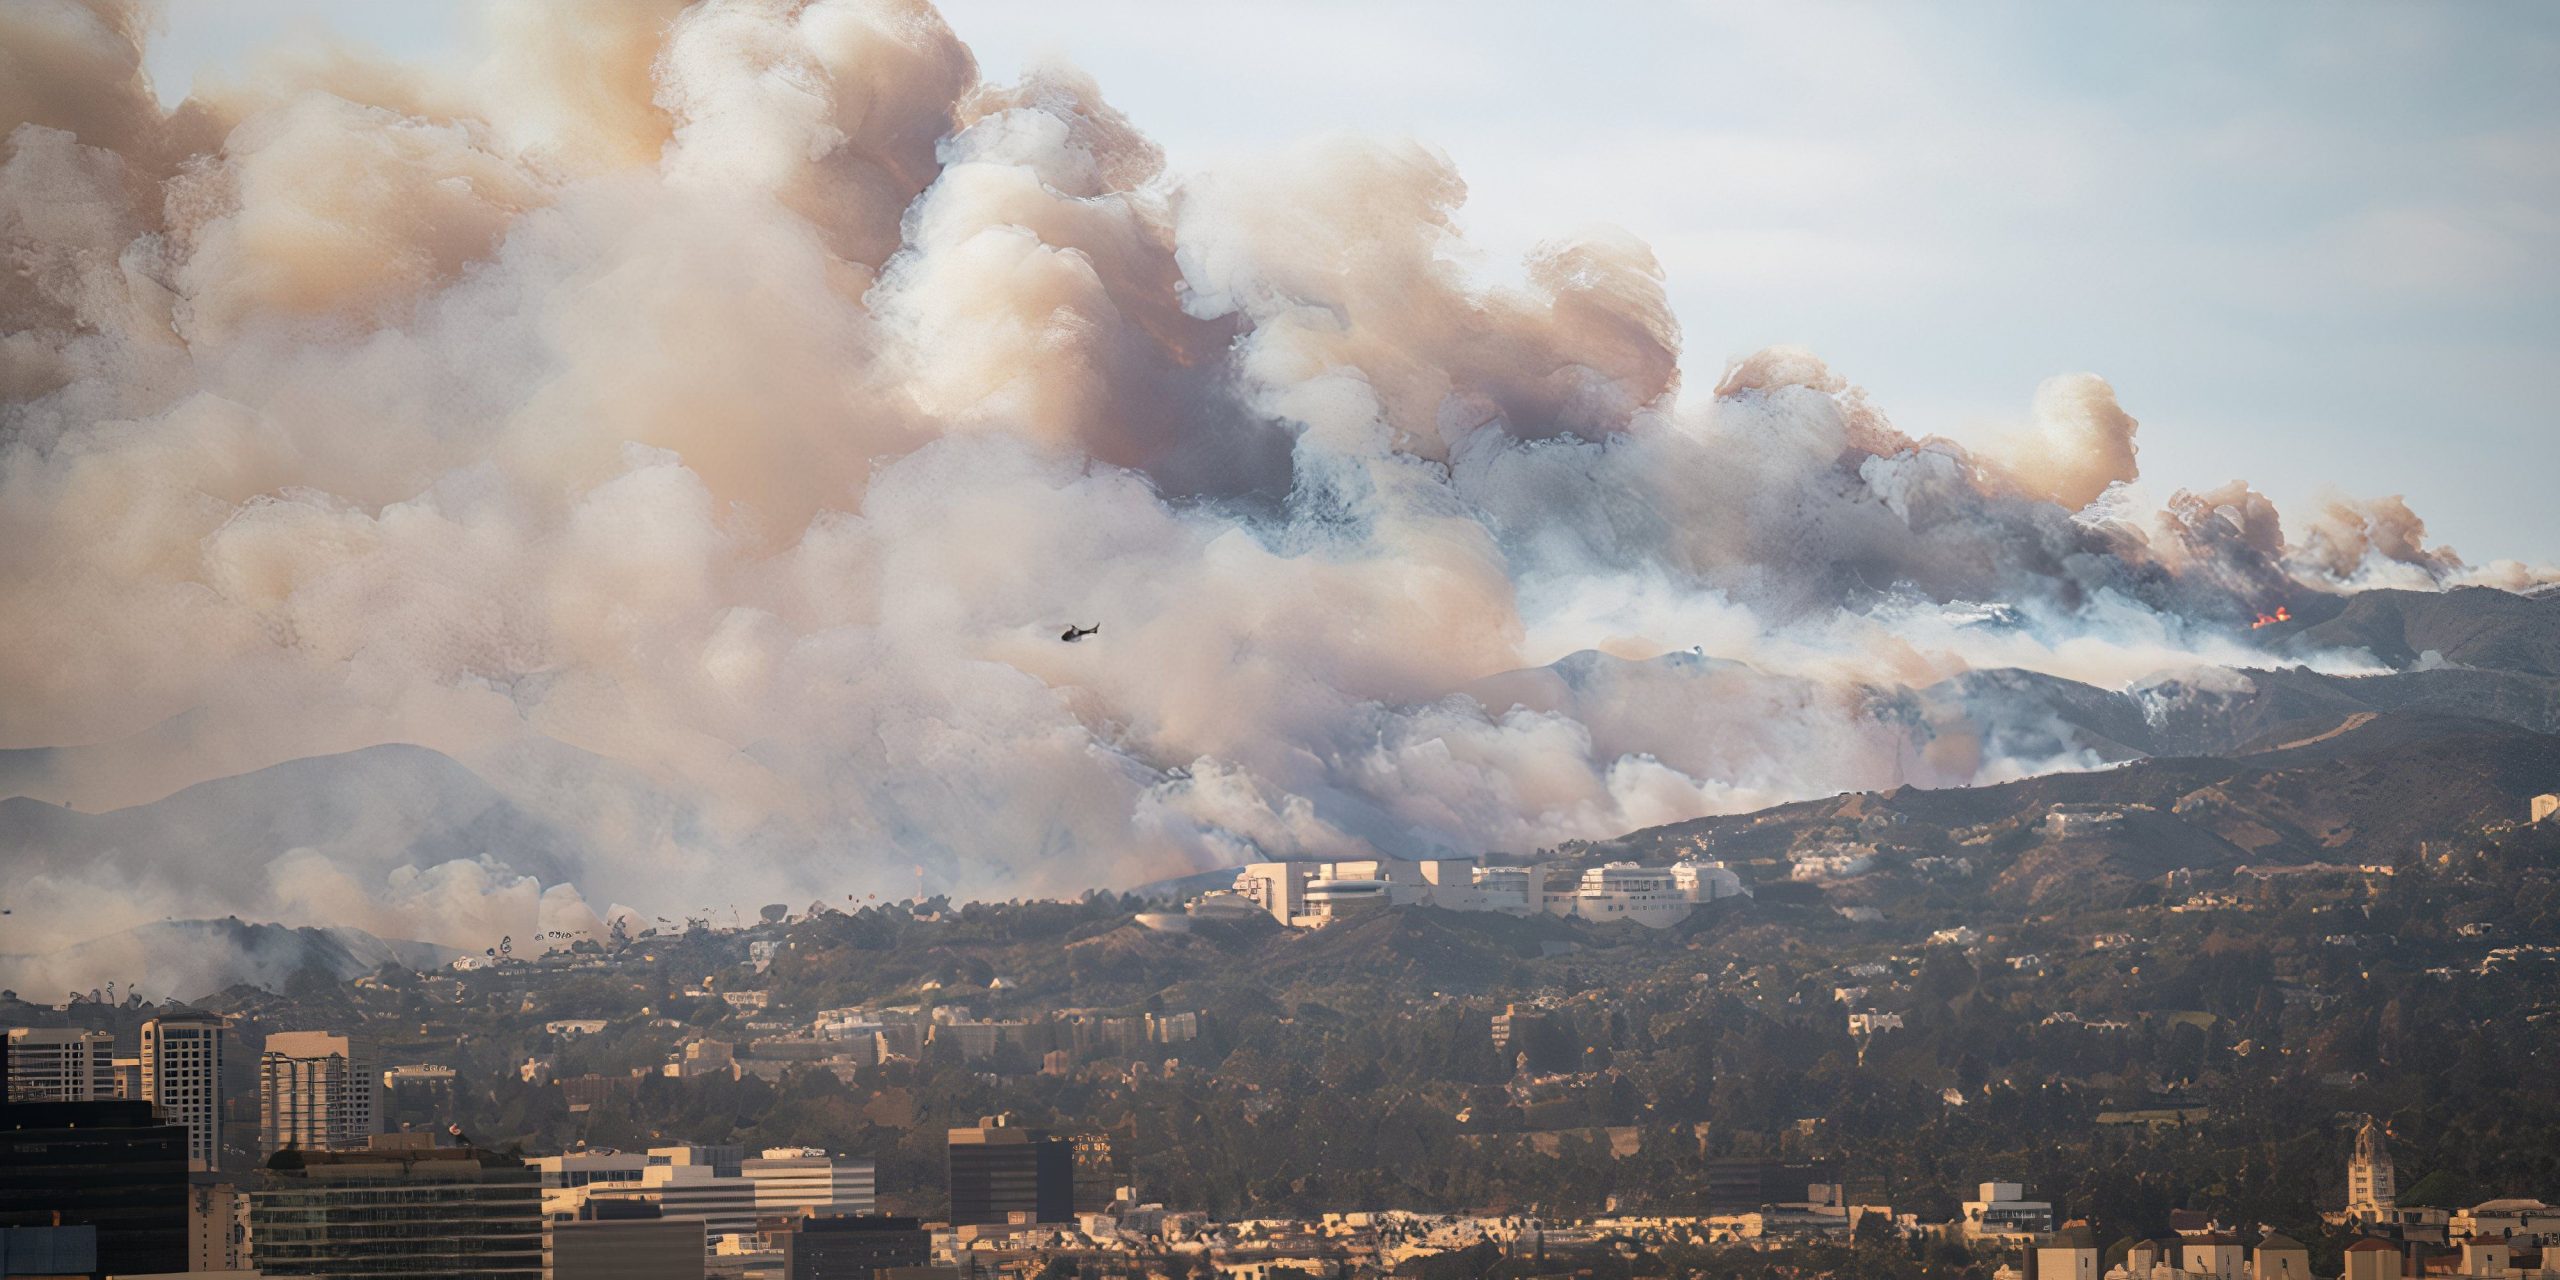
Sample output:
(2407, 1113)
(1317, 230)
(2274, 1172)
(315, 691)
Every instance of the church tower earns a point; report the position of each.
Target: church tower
(2372, 1188)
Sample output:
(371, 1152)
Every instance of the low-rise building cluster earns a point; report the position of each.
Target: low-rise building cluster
(1309, 895)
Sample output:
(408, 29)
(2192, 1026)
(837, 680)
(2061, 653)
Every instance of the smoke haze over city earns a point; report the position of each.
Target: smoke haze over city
(701, 423)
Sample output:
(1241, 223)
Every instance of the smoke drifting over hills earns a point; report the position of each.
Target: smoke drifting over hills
(701, 421)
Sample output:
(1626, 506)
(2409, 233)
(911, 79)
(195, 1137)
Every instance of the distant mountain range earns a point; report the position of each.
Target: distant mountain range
(2361, 788)
(2472, 652)
(2284, 765)
(368, 810)
(2280, 764)
(211, 848)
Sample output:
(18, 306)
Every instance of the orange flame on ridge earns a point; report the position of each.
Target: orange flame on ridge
(2281, 614)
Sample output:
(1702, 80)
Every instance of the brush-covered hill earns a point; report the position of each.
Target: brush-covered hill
(2363, 787)
(191, 959)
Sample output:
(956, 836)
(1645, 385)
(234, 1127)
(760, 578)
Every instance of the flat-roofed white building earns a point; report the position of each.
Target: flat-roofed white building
(783, 1182)
(1625, 892)
(793, 1179)
(1314, 894)
(1519, 891)
(61, 1064)
(2002, 1209)
(1707, 881)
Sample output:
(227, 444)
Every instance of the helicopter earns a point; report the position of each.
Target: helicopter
(1074, 633)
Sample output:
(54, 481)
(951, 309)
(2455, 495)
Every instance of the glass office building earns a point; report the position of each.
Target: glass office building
(110, 1165)
(853, 1247)
(1003, 1173)
(399, 1207)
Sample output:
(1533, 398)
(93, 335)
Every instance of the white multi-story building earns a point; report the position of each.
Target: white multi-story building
(2069, 1254)
(182, 1075)
(726, 1205)
(1647, 896)
(783, 1182)
(792, 1179)
(1314, 894)
(1518, 891)
(1707, 881)
(2002, 1209)
(61, 1064)
(318, 1092)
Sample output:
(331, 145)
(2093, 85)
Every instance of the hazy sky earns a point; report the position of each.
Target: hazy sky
(2312, 247)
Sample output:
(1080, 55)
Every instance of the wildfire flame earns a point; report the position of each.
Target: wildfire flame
(2281, 614)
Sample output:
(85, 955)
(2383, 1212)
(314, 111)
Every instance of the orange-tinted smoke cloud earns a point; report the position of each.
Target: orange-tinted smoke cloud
(700, 419)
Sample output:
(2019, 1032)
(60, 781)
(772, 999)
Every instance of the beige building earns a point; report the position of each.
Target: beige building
(2280, 1257)
(2370, 1259)
(2068, 1254)
(217, 1227)
(2214, 1255)
(623, 1240)
(61, 1064)
(2487, 1258)
(2510, 1219)
(2373, 1187)
(318, 1091)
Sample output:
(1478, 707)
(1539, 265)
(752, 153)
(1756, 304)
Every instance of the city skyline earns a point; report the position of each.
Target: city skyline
(980, 640)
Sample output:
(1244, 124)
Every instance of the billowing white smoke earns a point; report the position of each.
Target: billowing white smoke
(701, 421)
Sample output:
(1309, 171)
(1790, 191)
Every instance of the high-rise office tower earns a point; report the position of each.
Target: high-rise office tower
(318, 1092)
(110, 1165)
(61, 1064)
(182, 1075)
(398, 1208)
(1002, 1173)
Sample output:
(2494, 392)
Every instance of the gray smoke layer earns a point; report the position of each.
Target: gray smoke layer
(700, 422)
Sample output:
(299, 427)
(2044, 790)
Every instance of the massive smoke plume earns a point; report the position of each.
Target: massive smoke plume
(700, 421)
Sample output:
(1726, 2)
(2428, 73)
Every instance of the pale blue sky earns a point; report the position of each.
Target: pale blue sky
(2312, 246)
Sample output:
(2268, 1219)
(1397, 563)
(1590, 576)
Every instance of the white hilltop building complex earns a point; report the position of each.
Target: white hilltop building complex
(1309, 895)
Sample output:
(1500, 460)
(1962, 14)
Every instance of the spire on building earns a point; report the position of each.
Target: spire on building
(2372, 1187)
